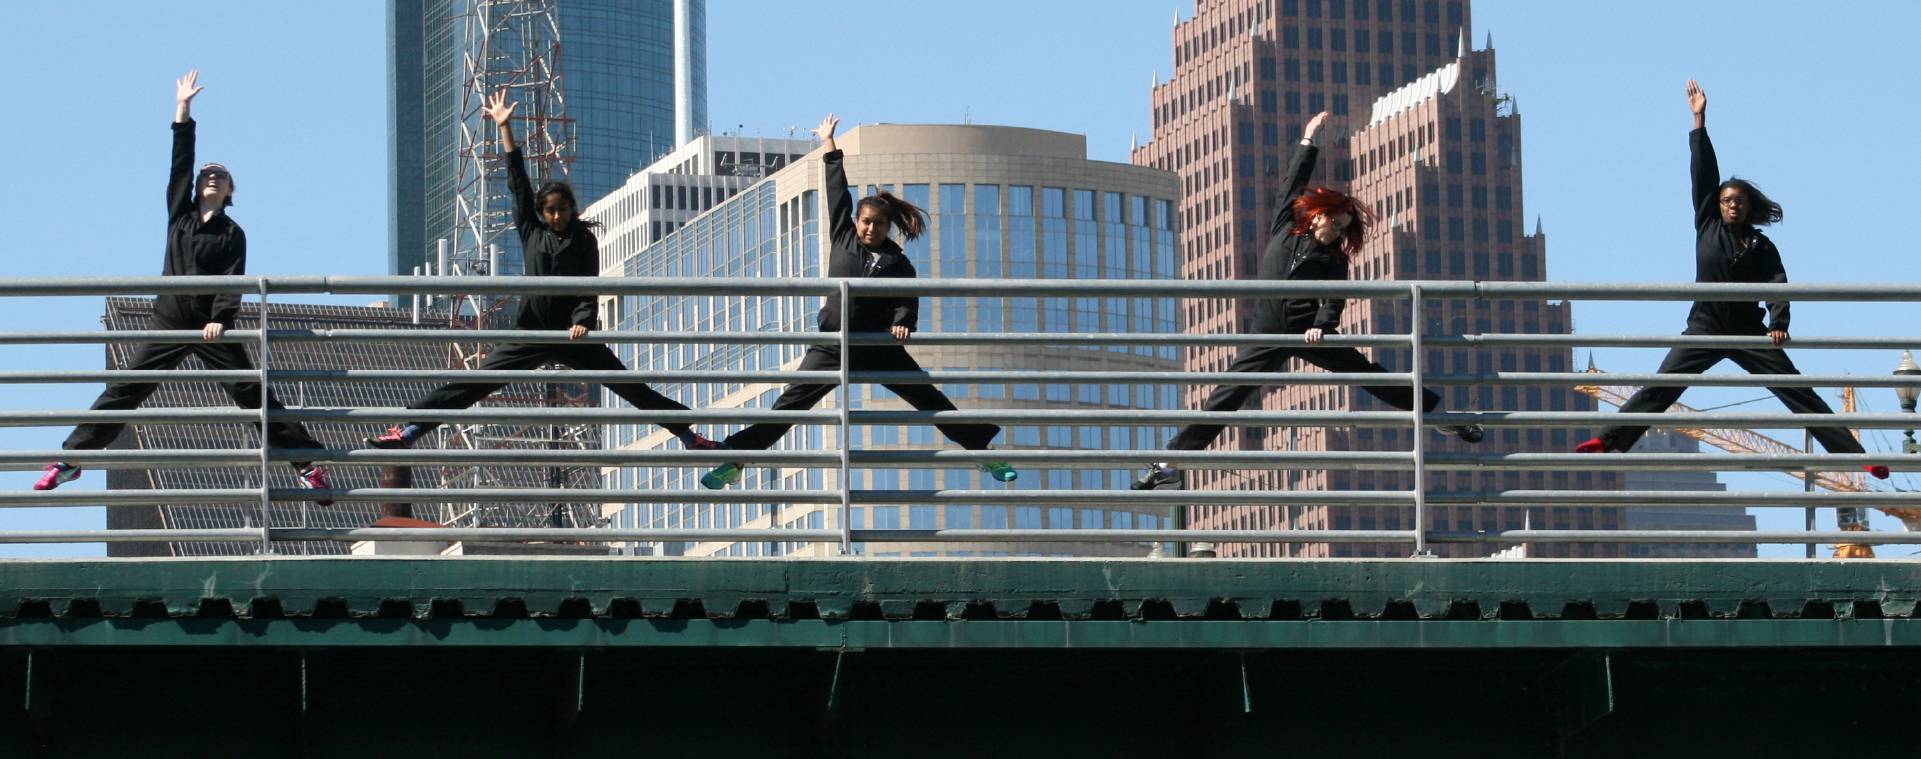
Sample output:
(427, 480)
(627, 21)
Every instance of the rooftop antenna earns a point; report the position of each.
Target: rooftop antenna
(967, 116)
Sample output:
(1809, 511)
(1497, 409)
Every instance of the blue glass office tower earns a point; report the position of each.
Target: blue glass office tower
(617, 66)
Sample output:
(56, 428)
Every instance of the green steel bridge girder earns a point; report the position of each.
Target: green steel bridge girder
(986, 602)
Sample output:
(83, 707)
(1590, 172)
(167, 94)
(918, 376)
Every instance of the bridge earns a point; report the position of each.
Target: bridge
(852, 655)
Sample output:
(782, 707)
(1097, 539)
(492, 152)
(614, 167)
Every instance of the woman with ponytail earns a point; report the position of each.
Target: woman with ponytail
(1314, 235)
(859, 247)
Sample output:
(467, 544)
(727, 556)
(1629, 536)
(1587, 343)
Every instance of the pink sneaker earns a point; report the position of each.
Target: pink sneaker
(315, 478)
(58, 473)
(394, 439)
(1592, 446)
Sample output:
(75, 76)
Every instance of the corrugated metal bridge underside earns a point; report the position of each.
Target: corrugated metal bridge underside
(337, 656)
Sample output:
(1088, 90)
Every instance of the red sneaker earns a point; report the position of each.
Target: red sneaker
(393, 439)
(1592, 446)
(1879, 472)
(58, 473)
(315, 478)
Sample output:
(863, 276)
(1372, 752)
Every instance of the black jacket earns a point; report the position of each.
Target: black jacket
(847, 257)
(1728, 254)
(545, 253)
(194, 247)
(1298, 256)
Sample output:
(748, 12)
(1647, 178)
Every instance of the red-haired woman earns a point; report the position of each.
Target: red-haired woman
(1728, 248)
(859, 246)
(1314, 234)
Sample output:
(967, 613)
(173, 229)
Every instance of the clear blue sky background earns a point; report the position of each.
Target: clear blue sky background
(1809, 103)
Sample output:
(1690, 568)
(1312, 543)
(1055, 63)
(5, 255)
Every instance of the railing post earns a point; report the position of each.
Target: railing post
(266, 497)
(846, 418)
(1415, 363)
(1807, 484)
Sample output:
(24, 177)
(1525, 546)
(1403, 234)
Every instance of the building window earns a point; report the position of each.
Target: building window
(1293, 102)
(1267, 68)
(1314, 38)
(1457, 263)
(1247, 226)
(1386, 8)
(1451, 130)
(1477, 130)
(1431, 12)
(1387, 42)
(1313, 8)
(1455, 198)
(1314, 71)
(1270, 134)
(1291, 37)
(1292, 69)
(1455, 13)
(1530, 266)
(1434, 262)
(1480, 230)
(1504, 231)
(1505, 261)
(1430, 194)
(1316, 102)
(1387, 75)
(1363, 73)
(1246, 129)
(1290, 7)
(1480, 196)
(1431, 229)
(1270, 103)
(1360, 10)
(1340, 100)
(1407, 46)
(1337, 72)
(1454, 162)
(1337, 39)
(1456, 229)
(1503, 198)
(1479, 163)
(1480, 263)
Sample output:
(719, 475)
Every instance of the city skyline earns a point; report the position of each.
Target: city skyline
(1598, 81)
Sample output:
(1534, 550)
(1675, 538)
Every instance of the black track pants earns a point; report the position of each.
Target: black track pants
(871, 358)
(583, 356)
(1800, 400)
(1195, 437)
(158, 356)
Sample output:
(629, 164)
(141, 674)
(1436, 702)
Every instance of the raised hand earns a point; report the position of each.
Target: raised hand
(1697, 98)
(498, 109)
(184, 89)
(1314, 126)
(826, 129)
(183, 92)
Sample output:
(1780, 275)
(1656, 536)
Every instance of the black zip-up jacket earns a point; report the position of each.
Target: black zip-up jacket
(1728, 254)
(548, 254)
(847, 257)
(195, 247)
(1298, 256)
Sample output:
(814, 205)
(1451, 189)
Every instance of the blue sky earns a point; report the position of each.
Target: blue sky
(1811, 105)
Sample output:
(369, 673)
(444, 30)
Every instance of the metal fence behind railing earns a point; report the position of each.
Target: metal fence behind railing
(1418, 461)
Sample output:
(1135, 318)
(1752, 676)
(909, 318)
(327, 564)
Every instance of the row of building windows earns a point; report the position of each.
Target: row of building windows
(1380, 42)
(1383, 10)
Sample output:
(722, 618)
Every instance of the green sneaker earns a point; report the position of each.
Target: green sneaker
(721, 477)
(1001, 471)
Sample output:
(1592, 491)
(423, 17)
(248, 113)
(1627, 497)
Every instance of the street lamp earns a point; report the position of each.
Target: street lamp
(1908, 393)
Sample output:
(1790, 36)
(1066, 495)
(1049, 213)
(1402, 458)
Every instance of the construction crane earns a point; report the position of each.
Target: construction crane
(1747, 441)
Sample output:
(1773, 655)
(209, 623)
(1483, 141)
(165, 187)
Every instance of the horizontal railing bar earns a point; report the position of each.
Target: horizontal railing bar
(1043, 416)
(945, 459)
(1060, 377)
(1060, 339)
(574, 535)
(1664, 341)
(763, 286)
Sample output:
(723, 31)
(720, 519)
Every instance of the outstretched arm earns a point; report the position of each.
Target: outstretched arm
(1300, 169)
(526, 209)
(840, 205)
(1703, 167)
(180, 176)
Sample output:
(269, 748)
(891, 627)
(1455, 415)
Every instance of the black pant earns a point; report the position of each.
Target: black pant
(1195, 437)
(583, 356)
(870, 358)
(154, 356)
(1800, 400)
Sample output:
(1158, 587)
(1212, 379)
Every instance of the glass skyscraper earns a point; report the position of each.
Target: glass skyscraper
(617, 79)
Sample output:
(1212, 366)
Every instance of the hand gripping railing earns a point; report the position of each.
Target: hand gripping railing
(844, 418)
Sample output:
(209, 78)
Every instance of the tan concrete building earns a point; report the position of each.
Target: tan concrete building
(1004, 202)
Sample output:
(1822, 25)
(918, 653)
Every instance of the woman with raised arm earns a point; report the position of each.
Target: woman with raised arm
(859, 247)
(201, 240)
(1314, 234)
(555, 242)
(1728, 248)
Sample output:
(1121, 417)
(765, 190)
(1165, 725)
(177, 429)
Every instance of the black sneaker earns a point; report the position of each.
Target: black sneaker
(1161, 478)
(1468, 433)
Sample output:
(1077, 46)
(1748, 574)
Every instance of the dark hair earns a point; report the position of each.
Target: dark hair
(565, 190)
(1761, 210)
(1331, 203)
(215, 168)
(905, 216)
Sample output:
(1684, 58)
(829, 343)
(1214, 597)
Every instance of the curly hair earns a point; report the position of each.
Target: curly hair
(1322, 201)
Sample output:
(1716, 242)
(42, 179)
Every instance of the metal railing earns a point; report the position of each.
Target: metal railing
(1419, 461)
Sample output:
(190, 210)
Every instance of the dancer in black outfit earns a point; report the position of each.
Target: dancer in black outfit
(1313, 234)
(555, 242)
(201, 240)
(859, 247)
(1728, 248)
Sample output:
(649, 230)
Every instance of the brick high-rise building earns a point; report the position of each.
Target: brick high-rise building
(1419, 132)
